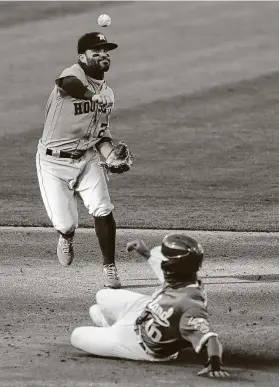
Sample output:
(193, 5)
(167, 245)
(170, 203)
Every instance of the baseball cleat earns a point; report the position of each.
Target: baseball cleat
(65, 250)
(111, 278)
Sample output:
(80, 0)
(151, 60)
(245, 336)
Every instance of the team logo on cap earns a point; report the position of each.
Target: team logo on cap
(101, 37)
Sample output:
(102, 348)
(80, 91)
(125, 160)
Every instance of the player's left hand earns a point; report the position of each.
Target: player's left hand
(139, 246)
(213, 369)
(120, 159)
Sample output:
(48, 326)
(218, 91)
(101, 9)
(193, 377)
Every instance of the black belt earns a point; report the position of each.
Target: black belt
(66, 155)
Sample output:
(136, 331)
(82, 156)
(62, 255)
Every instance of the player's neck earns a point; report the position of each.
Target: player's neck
(92, 72)
(178, 282)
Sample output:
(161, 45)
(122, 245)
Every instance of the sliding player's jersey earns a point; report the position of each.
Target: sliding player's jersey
(174, 319)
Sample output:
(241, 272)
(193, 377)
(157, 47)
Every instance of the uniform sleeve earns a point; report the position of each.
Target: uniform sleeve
(73, 87)
(195, 328)
(74, 71)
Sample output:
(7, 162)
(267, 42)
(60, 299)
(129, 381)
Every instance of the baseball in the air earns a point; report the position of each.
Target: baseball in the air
(104, 20)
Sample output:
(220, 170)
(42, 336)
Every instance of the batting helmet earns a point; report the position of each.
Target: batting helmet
(184, 255)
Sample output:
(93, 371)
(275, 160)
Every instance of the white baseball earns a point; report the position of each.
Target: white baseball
(104, 20)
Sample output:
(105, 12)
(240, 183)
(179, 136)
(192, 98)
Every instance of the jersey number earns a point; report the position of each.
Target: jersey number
(152, 332)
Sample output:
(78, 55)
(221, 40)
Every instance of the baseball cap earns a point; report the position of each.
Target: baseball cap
(94, 39)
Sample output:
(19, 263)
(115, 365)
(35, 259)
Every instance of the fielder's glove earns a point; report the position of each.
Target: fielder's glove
(120, 159)
(213, 368)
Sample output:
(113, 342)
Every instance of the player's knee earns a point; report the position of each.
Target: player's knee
(76, 337)
(66, 228)
(102, 295)
(97, 316)
(103, 209)
(93, 310)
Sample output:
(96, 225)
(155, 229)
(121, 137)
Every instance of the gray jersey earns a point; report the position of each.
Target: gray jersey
(73, 124)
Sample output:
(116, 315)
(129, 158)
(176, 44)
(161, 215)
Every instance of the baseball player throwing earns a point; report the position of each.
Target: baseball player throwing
(76, 133)
(136, 326)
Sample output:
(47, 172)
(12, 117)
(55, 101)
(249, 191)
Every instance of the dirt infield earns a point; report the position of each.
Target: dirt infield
(43, 302)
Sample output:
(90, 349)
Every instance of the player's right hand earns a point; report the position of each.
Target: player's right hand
(139, 246)
(213, 369)
(103, 101)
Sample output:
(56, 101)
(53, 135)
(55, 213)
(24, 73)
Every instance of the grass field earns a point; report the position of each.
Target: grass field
(198, 109)
(196, 87)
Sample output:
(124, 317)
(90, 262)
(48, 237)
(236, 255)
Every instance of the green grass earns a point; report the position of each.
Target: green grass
(209, 161)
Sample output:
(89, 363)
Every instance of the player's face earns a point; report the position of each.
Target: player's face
(98, 58)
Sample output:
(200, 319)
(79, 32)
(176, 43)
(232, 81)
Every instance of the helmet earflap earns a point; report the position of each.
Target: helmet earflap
(184, 255)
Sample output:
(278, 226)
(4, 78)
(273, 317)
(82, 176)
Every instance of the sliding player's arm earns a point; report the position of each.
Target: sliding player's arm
(195, 328)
